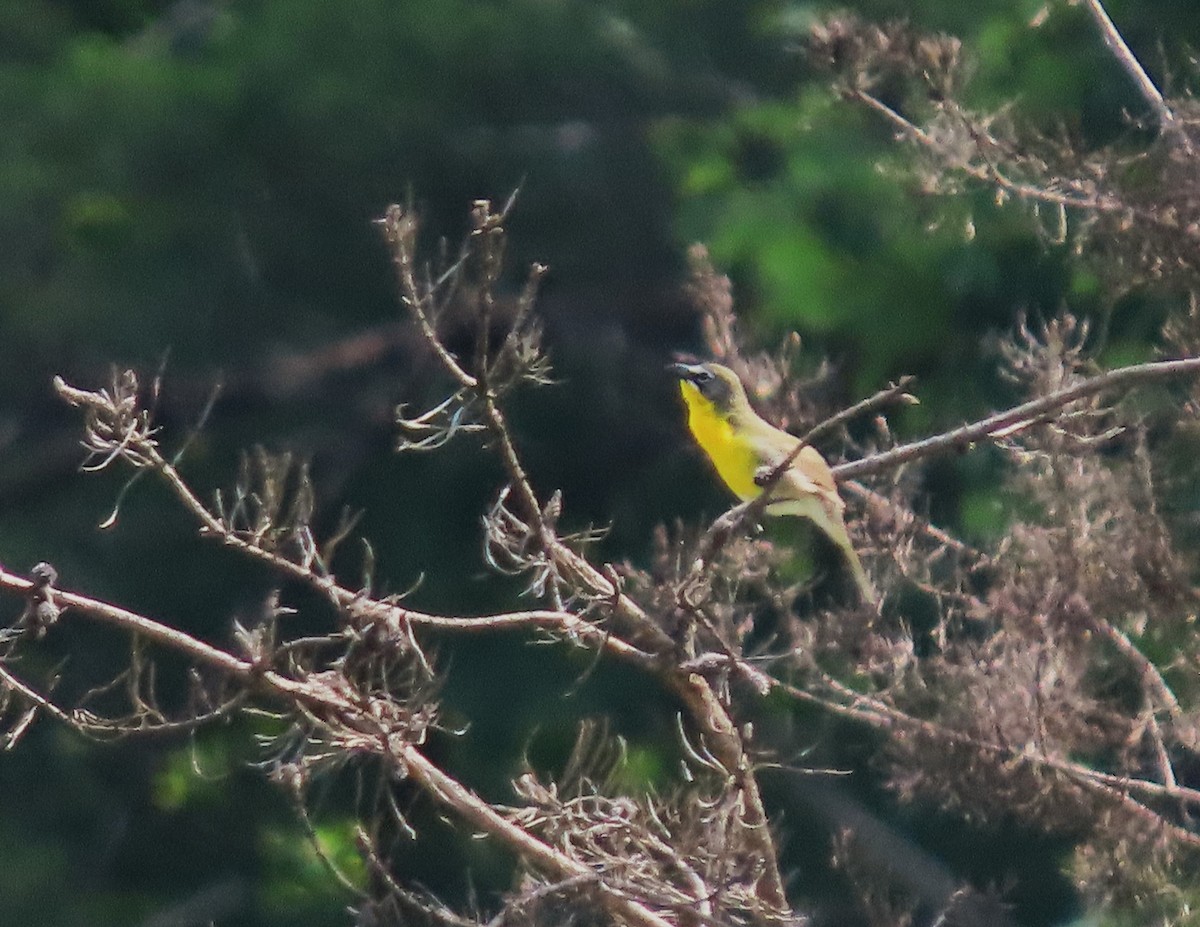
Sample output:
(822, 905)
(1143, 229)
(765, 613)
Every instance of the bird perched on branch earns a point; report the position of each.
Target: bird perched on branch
(744, 448)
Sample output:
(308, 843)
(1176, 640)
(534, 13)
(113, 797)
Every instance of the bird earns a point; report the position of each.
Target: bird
(743, 448)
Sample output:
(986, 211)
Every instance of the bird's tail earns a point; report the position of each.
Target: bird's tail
(833, 528)
(865, 589)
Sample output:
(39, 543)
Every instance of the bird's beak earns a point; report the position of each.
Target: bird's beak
(685, 371)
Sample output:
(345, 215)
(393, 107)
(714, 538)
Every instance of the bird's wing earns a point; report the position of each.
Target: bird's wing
(812, 466)
(809, 473)
(808, 490)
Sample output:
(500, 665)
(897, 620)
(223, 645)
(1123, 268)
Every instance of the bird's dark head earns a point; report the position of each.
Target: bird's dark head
(713, 385)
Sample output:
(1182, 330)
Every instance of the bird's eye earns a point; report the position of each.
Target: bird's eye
(709, 385)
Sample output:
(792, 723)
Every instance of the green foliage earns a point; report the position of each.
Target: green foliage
(297, 882)
(817, 235)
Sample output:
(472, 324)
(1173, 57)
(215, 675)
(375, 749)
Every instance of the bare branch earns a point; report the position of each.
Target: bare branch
(400, 229)
(894, 392)
(1019, 417)
(879, 714)
(1120, 50)
(987, 172)
(1004, 678)
(705, 708)
(355, 715)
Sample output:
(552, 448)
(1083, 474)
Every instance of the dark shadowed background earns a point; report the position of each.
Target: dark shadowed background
(190, 187)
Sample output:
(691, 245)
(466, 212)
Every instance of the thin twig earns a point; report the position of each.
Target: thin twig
(1162, 756)
(427, 907)
(987, 173)
(355, 716)
(400, 227)
(1017, 418)
(923, 525)
(393, 616)
(39, 701)
(515, 908)
(705, 708)
(474, 810)
(1129, 62)
(878, 713)
(130, 621)
(893, 392)
(1156, 687)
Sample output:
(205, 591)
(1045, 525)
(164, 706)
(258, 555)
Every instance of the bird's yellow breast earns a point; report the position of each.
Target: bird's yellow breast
(733, 456)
